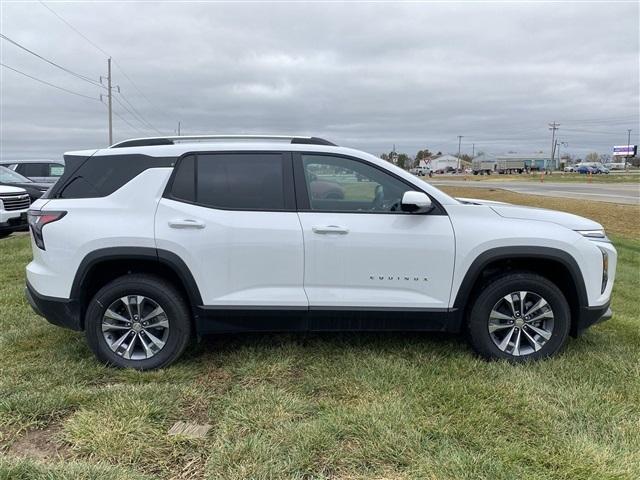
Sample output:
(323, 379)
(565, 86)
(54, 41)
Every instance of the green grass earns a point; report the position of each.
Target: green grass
(352, 406)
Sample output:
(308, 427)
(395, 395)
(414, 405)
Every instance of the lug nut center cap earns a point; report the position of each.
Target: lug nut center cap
(519, 323)
(136, 327)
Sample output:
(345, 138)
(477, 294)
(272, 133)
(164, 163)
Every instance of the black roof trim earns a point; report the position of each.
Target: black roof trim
(151, 141)
(144, 142)
(312, 141)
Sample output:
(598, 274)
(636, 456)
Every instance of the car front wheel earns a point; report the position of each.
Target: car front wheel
(138, 321)
(519, 317)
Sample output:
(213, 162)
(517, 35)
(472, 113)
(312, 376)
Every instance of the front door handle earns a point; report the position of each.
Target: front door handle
(329, 229)
(186, 223)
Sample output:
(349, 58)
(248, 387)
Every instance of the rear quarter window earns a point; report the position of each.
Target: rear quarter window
(100, 176)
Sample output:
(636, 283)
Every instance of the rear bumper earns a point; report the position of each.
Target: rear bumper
(590, 316)
(62, 312)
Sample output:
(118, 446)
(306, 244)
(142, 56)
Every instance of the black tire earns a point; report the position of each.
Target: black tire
(165, 295)
(491, 293)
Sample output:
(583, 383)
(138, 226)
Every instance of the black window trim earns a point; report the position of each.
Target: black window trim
(73, 172)
(287, 177)
(302, 194)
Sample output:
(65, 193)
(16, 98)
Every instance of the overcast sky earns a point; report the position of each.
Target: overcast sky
(366, 75)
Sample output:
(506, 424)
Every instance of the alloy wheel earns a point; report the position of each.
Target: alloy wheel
(521, 323)
(135, 327)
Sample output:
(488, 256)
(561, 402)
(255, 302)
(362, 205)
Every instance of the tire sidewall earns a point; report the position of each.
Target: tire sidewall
(479, 315)
(179, 325)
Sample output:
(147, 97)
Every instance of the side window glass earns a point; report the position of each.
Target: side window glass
(338, 184)
(32, 169)
(55, 170)
(238, 181)
(243, 181)
(184, 182)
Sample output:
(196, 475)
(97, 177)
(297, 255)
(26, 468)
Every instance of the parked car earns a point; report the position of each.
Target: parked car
(570, 168)
(35, 190)
(421, 171)
(585, 169)
(157, 241)
(592, 167)
(41, 171)
(14, 204)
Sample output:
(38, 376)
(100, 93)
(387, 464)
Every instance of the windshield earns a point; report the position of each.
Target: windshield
(9, 176)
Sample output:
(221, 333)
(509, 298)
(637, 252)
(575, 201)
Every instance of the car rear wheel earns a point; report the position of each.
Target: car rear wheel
(138, 321)
(519, 317)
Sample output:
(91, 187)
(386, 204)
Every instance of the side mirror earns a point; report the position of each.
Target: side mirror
(416, 202)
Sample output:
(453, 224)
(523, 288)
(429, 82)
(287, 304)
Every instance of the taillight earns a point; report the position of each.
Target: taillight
(38, 219)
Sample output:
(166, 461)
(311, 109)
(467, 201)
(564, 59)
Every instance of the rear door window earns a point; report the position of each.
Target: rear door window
(33, 169)
(235, 181)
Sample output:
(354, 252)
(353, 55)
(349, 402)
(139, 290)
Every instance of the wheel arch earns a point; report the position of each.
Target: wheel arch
(556, 265)
(103, 265)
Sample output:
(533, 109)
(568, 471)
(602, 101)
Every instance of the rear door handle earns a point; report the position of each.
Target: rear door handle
(186, 223)
(330, 229)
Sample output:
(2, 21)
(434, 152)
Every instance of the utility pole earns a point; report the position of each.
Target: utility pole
(109, 99)
(178, 127)
(109, 95)
(628, 145)
(459, 143)
(553, 127)
(473, 150)
(558, 144)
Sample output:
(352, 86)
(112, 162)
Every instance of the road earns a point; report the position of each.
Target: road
(627, 193)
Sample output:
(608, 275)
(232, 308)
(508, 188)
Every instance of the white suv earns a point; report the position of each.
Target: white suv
(14, 204)
(151, 241)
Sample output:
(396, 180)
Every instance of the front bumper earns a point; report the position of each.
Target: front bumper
(590, 316)
(62, 312)
(13, 221)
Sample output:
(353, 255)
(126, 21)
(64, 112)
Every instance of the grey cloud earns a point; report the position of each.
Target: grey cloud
(363, 75)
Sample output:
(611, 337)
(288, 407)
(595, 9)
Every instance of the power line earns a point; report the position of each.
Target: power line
(133, 83)
(116, 64)
(140, 116)
(73, 28)
(133, 127)
(131, 113)
(597, 132)
(75, 74)
(47, 83)
(127, 122)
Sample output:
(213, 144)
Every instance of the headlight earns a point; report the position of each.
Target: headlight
(594, 234)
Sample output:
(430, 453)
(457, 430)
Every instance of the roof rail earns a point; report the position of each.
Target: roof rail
(149, 141)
